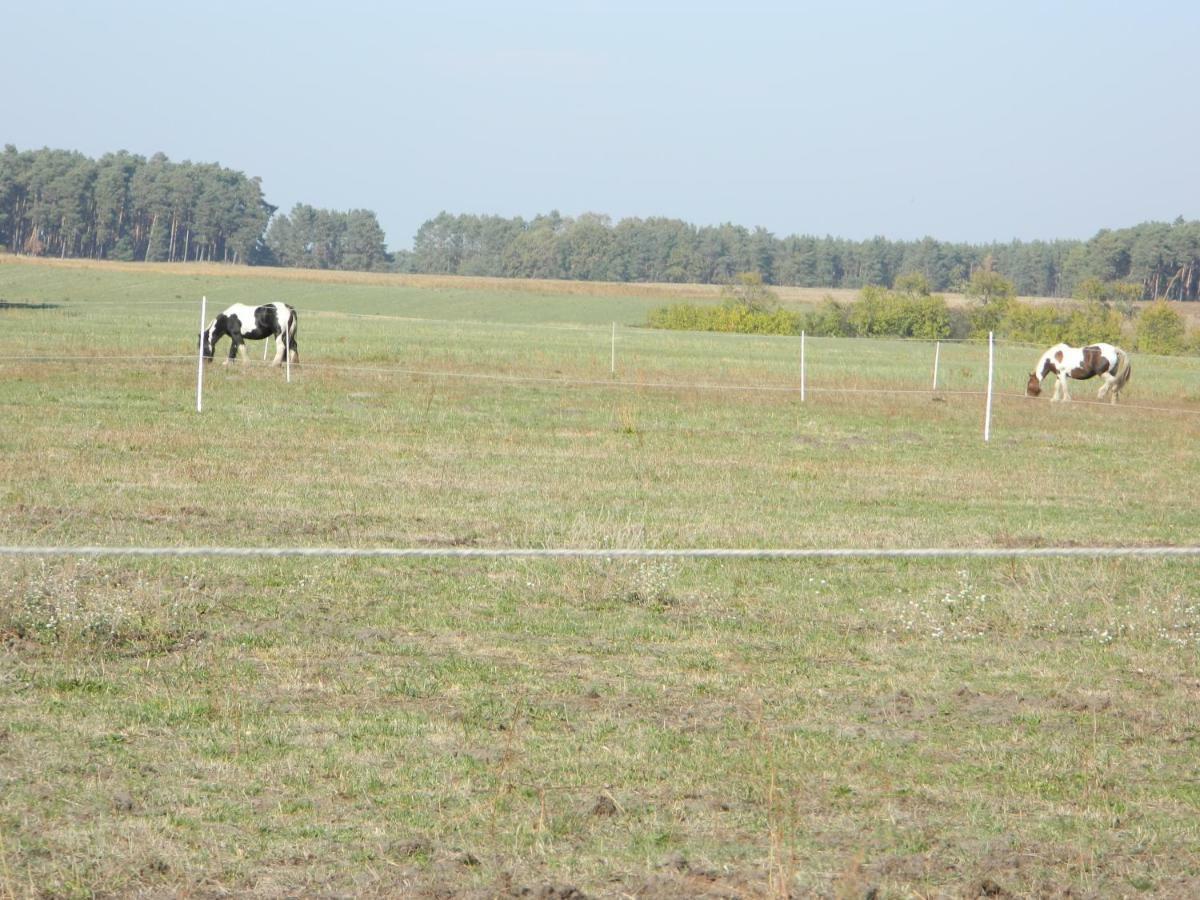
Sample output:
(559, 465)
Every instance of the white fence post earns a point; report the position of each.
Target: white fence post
(937, 352)
(200, 363)
(802, 372)
(987, 415)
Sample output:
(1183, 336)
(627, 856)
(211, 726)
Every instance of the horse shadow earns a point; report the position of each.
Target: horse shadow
(17, 304)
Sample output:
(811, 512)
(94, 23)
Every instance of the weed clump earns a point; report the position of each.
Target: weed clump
(79, 603)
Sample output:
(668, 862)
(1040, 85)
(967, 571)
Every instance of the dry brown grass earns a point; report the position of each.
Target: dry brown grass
(430, 282)
(271, 728)
(799, 296)
(558, 287)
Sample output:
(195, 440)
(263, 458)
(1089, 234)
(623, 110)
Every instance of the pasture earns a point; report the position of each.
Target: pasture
(623, 727)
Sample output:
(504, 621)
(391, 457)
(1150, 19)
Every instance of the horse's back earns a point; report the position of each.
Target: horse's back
(1114, 355)
(243, 312)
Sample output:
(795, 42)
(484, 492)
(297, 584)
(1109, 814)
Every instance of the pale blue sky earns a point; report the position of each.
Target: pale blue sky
(963, 121)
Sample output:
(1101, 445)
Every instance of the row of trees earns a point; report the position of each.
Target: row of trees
(1158, 259)
(124, 206)
(312, 238)
(127, 207)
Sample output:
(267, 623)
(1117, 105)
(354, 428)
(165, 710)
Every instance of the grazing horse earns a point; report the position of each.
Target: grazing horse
(1109, 362)
(254, 323)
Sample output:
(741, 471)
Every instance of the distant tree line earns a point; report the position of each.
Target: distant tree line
(1157, 259)
(123, 206)
(327, 239)
(129, 207)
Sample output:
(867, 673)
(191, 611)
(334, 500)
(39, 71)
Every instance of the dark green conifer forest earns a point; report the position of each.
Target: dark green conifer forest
(129, 207)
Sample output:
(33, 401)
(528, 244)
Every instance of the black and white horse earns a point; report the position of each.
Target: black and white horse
(253, 323)
(1080, 363)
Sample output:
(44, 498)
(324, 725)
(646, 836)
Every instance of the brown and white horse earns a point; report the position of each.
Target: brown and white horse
(1081, 363)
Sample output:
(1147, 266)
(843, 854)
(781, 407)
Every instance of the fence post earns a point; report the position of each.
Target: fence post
(200, 360)
(937, 352)
(987, 415)
(802, 372)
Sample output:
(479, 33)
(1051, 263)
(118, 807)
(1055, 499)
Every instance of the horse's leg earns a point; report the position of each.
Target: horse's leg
(293, 351)
(1058, 389)
(1066, 388)
(280, 350)
(1114, 389)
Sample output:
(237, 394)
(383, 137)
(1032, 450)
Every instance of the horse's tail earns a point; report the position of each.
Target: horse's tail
(1122, 371)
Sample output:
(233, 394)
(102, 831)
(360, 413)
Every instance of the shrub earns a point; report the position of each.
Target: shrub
(1119, 295)
(1091, 325)
(988, 315)
(830, 319)
(730, 316)
(928, 317)
(747, 288)
(989, 287)
(1161, 330)
(960, 323)
(1032, 324)
(1044, 324)
(879, 312)
(914, 283)
(679, 317)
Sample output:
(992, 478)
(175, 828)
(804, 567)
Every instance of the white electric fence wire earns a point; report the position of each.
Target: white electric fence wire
(576, 382)
(585, 328)
(91, 359)
(618, 553)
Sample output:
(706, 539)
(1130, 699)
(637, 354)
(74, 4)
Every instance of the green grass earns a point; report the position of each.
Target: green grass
(646, 728)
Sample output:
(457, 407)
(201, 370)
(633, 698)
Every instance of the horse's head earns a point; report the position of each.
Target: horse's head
(206, 345)
(1033, 387)
(210, 335)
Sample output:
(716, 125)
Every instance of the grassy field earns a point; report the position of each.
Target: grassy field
(611, 728)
